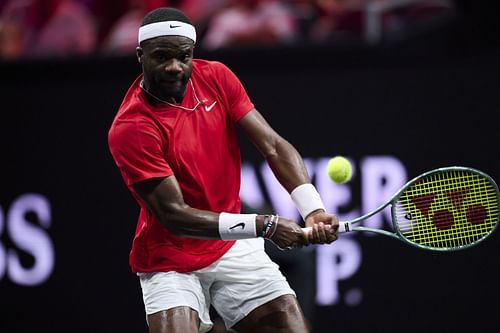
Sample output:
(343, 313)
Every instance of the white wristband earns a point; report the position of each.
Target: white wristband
(237, 226)
(307, 199)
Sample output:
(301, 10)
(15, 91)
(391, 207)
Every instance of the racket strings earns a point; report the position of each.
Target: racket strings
(463, 233)
(448, 209)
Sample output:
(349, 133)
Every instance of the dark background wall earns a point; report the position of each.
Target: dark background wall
(430, 103)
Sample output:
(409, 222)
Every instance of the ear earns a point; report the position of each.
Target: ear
(139, 53)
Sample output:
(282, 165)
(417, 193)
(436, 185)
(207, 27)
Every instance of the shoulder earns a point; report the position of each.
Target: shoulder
(133, 117)
(210, 68)
(133, 105)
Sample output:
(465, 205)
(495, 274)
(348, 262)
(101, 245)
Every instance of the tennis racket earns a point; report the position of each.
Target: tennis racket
(445, 209)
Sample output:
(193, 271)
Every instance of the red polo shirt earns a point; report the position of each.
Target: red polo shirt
(199, 147)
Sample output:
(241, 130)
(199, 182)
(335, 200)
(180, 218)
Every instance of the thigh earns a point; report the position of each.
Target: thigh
(246, 279)
(282, 314)
(171, 297)
(181, 319)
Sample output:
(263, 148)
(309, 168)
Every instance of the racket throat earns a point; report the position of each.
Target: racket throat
(345, 227)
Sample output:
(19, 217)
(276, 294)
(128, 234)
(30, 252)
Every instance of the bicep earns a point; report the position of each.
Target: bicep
(283, 159)
(260, 132)
(162, 196)
(164, 199)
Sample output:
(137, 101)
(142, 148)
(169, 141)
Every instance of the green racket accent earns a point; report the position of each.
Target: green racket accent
(447, 209)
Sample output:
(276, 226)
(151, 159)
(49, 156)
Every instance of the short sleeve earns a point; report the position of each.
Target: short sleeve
(237, 99)
(138, 151)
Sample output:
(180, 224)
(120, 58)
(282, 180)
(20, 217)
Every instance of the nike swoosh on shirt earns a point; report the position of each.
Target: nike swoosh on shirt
(209, 107)
(174, 26)
(241, 224)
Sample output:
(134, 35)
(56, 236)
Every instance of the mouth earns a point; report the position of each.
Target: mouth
(172, 86)
(172, 83)
(172, 80)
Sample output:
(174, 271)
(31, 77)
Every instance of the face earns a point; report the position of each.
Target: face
(166, 65)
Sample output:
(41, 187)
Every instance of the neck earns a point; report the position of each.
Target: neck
(156, 99)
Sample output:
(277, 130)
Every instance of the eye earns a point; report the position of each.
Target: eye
(185, 57)
(160, 56)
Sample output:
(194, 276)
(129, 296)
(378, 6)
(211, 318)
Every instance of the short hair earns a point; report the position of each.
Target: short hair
(165, 14)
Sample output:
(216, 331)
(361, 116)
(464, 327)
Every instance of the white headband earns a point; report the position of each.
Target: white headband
(167, 28)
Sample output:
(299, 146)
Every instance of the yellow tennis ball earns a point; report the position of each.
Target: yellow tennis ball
(339, 169)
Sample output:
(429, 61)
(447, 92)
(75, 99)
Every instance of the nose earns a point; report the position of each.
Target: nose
(173, 66)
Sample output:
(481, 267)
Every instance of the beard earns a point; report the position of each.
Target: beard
(167, 87)
(173, 89)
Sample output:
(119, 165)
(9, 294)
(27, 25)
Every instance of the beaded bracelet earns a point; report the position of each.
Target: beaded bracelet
(270, 226)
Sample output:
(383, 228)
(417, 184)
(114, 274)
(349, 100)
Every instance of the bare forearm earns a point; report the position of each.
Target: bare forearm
(283, 159)
(190, 222)
(163, 198)
(287, 165)
(196, 223)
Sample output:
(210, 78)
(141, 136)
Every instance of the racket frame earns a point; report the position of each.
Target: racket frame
(349, 226)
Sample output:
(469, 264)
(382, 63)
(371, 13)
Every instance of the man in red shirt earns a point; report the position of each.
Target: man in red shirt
(174, 142)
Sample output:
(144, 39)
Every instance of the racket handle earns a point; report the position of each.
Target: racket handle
(343, 227)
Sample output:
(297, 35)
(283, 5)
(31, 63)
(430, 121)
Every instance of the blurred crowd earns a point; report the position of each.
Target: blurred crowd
(41, 28)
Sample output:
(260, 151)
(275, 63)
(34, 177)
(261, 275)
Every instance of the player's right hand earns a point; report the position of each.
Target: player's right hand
(321, 233)
(323, 227)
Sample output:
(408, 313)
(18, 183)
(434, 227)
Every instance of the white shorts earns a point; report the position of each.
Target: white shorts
(240, 281)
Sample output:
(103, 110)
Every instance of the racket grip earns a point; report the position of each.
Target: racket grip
(343, 227)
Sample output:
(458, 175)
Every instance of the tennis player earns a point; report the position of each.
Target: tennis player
(174, 142)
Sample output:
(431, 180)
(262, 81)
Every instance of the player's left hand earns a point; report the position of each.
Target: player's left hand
(288, 235)
(324, 228)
